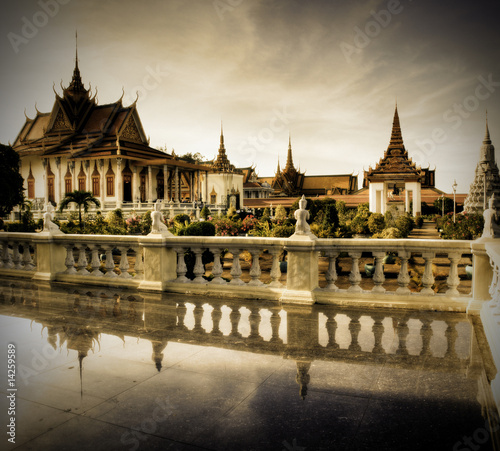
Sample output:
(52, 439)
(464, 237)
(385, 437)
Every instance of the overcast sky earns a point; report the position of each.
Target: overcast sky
(328, 72)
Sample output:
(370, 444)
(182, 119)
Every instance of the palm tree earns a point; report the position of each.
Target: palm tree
(82, 199)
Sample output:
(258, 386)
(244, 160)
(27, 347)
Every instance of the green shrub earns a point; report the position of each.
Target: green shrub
(405, 225)
(389, 233)
(419, 221)
(205, 212)
(182, 218)
(282, 231)
(200, 229)
(466, 227)
(376, 223)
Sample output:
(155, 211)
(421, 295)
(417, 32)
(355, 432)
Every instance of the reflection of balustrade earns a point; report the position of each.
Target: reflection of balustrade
(187, 320)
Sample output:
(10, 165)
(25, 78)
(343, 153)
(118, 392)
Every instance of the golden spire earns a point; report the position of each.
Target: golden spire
(487, 139)
(289, 159)
(396, 136)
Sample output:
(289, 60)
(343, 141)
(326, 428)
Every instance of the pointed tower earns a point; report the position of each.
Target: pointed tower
(486, 180)
(289, 181)
(289, 160)
(393, 174)
(221, 163)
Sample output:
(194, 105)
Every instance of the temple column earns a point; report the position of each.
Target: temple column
(166, 197)
(74, 180)
(58, 183)
(88, 183)
(191, 187)
(176, 185)
(407, 201)
(45, 181)
(198, 185)
(135, 184)
(118, 183)
(103, 182)
(150, 184)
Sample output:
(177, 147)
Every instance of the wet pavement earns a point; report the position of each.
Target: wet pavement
(99, 369)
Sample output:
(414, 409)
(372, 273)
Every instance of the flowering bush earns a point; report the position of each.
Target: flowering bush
(467, 226)
(249, 223)
(226, 227)
(134, 224)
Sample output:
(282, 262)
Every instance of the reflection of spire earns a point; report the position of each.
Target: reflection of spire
(157, 357)
(81, 356)
(302, 378)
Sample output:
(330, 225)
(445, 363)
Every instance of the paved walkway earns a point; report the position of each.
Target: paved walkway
(427, 232)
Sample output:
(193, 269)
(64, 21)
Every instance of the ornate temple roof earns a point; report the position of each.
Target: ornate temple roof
(221, 164)
(289, 181)
(79, 128)
(395, 165)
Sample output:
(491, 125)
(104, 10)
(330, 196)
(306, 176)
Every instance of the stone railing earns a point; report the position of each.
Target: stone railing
(160, 263)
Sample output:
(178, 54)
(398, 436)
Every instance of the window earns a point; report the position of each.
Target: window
(96, 180)
(213, 198)
(81, 183)
(68, 185)
(31, 189)
(50, 188)
(110, 185)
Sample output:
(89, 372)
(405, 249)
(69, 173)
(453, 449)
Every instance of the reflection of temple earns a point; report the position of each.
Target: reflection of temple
(300, 334)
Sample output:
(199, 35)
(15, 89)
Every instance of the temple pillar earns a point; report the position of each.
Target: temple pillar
(103, 181)
(58, 181)
(166, 196)
(176, 185)
(150, 184)
(135, 185)
(118, 183)
(88, 183)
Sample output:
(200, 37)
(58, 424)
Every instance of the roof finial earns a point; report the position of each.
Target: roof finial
(76, 48)
(289, 160)
(487, 138)
(221, 134)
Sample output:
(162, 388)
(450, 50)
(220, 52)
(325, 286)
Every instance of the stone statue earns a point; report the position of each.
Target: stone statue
(48, 225)
(302, 215)
(490, 215)
(157, 225)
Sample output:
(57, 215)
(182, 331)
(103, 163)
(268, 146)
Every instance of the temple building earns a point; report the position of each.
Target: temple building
(394, 175)
(486, 180)
(290, 182)
(81, 145)
(225, 182)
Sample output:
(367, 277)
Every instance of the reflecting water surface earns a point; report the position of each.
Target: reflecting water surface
(115, 369)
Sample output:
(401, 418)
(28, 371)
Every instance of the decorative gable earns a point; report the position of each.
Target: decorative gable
(130, 131)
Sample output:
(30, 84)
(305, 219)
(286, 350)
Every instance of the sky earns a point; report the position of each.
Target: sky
(325, 72)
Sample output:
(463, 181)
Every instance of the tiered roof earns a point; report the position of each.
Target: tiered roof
(395, 165)
(221, 164)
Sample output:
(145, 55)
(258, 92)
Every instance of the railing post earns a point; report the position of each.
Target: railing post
(428, 277)
(217, 267)
(453, 279)
(378, 276)
(355, 276)
(403, 277)
(331, 274)
(159, 263)
(482, 274)
(50, 257)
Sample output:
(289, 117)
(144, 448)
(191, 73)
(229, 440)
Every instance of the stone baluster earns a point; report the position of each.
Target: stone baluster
(6, 256)
(378, 333)
(355, 276)
(216, 317)
(255, 271)
(217, 267)
(181, 266)
(16, 256)
(453, 279)
(3, 244)
(402, 330)
(426, 334)
(451, 335)
(198, 316)
(95, 263)
(124, 265)
(235, 317)
(275, 268)
(494, 281)
(110, 263)
(82, 260)
(275, 325)
(254, 320)
(428, 277)
(139, 263)
(331, 274)
(27, 261)
(199, 267)
(354, 329)
(331, 329)
(70, 260)
(403, 277)
(378, 275)
(236, 268)
(181, 315)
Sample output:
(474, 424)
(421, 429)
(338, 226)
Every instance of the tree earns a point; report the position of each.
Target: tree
(11, 181)
(81, 199)
(448, 205)
(192, 157)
